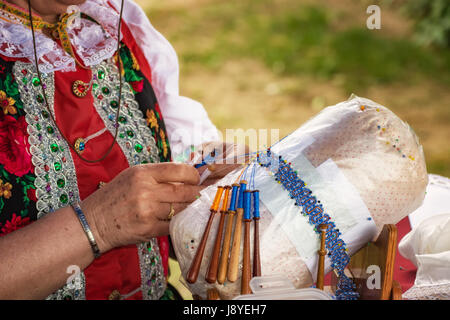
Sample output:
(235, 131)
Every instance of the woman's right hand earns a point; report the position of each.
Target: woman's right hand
(133, 207)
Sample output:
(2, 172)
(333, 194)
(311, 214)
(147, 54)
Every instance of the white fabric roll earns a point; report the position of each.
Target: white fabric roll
(428, 247)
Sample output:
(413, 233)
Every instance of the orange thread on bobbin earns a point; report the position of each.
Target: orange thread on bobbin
(216, 202)
(225, 199)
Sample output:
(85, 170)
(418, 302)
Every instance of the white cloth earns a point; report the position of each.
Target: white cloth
(437, 200)
(186, 120)
(428, 247)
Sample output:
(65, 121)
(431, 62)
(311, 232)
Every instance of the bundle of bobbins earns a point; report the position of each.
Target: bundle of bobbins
(236, 212)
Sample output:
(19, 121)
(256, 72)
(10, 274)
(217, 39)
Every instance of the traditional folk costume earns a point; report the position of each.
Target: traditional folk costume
(39, 172)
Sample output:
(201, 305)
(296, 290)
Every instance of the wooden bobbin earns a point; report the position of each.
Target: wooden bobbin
(322, 252)
(211, 275)
(246, 264)
(233, 266)
(256, 248)
(223, 263)
(197, 261)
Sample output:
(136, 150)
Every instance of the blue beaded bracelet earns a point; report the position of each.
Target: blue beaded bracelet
(85, 225)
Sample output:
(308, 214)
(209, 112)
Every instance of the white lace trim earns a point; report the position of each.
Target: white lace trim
(428, 292)
(90, 42)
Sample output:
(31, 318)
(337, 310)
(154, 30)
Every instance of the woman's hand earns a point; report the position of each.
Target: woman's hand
(134, 206)
(227, 158)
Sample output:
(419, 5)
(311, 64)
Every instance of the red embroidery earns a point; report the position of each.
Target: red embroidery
(14, 224)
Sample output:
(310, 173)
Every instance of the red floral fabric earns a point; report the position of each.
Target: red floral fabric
(14, 146)
(14, 224)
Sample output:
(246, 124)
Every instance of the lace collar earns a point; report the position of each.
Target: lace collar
(90, 42)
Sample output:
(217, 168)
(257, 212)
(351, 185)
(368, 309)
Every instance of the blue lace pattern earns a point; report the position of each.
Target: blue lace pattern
(314, 211)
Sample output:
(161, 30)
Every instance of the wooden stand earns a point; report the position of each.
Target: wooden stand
(380, 253)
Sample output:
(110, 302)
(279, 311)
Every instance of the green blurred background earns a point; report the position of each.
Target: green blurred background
(273, 64)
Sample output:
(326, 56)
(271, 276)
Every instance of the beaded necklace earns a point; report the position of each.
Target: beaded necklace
(76, 146)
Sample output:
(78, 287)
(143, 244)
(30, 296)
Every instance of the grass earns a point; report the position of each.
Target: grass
(275, 63)
(302, 39)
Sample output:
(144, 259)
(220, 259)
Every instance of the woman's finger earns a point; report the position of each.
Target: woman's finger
(163, 209)
(176, 192)
(171, 172)
(221, 170)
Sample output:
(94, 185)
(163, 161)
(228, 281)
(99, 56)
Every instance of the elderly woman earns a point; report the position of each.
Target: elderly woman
(90, 116)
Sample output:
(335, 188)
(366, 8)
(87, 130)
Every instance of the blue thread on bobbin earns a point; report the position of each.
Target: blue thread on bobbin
(234, 193)
(242, 188)
(210, 158)
(256, 204)
(247, 204)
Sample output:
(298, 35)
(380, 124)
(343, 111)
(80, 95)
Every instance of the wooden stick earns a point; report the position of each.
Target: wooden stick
(246, 266)
(212, 294)
(322, 252)
(223, 263)
(256, 253)
(256, 250)
(197, 261)
(233, 266)
(211, 275)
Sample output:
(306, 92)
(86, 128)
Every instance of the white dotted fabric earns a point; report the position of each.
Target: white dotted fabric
(378, 152)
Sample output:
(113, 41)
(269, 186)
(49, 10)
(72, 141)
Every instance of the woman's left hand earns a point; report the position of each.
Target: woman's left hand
(228, 157)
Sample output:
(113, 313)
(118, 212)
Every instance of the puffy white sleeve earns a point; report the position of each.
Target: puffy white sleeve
(186, 120)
